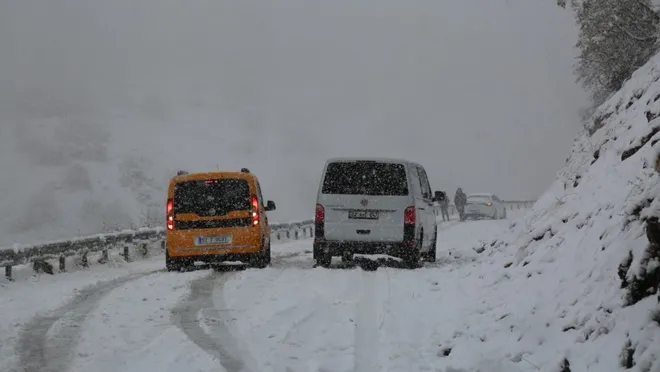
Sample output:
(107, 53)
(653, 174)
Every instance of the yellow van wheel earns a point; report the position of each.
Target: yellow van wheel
(172, 264)
(261, 260)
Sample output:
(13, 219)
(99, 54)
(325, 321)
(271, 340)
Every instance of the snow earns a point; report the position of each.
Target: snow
(466, 312)
(566, 252)
(335, 320)
(157, 346)
(536, 292)
(132, 310)
(35, 295)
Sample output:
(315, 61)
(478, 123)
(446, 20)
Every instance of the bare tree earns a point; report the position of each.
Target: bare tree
(616, 38)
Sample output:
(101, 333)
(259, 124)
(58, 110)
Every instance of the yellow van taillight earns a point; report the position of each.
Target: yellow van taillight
(255, 210)
(170, 214)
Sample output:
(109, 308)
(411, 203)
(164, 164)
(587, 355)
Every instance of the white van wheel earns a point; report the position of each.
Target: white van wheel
(413, 256)
(347, 256)
(430, 255)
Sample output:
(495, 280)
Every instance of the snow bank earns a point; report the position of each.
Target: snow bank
(583, 250)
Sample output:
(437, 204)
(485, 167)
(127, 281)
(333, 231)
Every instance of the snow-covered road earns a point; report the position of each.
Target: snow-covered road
(288, 317)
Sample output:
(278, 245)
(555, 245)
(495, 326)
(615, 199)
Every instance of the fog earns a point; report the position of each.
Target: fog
(102, 101)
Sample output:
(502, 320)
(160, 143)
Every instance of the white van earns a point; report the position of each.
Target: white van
(374, 206)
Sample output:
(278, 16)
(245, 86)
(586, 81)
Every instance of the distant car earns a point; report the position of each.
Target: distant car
(484, 205)
(374, 206)
(215, 217)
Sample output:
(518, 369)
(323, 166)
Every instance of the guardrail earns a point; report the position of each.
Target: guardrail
(511, 205)
(134, 243)
(126, 241)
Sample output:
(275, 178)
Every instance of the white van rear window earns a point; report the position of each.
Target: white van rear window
(365, 178)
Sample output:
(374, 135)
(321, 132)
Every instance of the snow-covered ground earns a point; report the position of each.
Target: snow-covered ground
(478, 308)
(36, 307)
(289, 317)
(393, 319)
(38, 295)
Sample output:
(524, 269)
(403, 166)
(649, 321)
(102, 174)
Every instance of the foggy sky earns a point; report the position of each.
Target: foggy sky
(480, 92)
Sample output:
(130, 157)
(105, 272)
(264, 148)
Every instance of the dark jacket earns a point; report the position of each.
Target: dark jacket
(460, 199)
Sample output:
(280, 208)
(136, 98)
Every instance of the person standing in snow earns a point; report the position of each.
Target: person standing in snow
(443, 203)
(460, 199)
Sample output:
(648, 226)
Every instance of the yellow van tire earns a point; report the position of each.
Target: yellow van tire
(172, 264)
(261, 260)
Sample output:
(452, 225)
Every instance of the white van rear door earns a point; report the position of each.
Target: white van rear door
(364, 201)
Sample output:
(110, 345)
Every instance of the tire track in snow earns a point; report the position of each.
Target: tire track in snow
(221, 344)
(219, 341)
(367, 325)
(38, 353)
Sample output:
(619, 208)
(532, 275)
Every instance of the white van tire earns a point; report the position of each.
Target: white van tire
(430, 255)
(412, 257)
(323, 260)
(347, 256)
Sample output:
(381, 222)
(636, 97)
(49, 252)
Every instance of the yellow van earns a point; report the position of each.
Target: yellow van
(215, 217)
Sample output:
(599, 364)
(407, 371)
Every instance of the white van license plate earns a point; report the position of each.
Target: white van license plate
(213, 240)
(363, 215)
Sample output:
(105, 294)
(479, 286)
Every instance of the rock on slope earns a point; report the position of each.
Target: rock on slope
(588, 250)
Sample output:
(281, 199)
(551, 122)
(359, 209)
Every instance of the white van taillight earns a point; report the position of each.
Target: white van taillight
(170, 214)
(319, 216)
(409, 219)
(255, 210)
(409, 216)
(319, 222)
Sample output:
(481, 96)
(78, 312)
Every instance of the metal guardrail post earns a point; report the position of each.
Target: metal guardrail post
(104, 256)
(84, 259)
(144, 250)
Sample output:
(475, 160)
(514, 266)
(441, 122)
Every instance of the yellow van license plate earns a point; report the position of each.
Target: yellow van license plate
(213, 240)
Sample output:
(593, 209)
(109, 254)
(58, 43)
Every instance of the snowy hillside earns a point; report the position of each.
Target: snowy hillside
(581, 261)
(80, 174)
